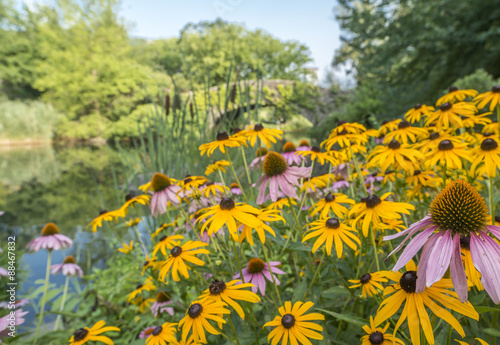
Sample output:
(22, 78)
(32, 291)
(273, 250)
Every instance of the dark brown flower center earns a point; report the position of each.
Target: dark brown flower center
(50, 229)
(445, 106)
(160, 182)
(129, 196)
(288, 321)
(221, 136)
(329, 197)
(445, 145)
(315, 149)
(289, 147)
(372, 201)
(80, 334)
(403, 124)
(465, 242)
(332, 223)
(162, 297)
(157, 331)
(394, 144)
(365, 278)
(258, 127)
(489, 144)
(146, 263)
(417, 172)
(452, 89)
(255, 265)
(341, 122)
(163, 238)
(408, 281)
(69, 260)
(495, 89)
(176, 251)
(434, 136)
(418, 106)
(236, 130)
(138, 287)
(376, 338)
(217, 287)
(274, 164)
(195, 310)
(101, 212)
(227, 204)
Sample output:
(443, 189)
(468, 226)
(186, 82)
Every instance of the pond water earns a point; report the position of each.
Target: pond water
(67, 186)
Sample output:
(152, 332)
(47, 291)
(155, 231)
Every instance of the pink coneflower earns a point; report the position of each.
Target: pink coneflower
(337, 185)
(260, 154)
(235, 189)
(163, 299)
(257, 272)
(50, 239)
(17, 304)
(289, 150)
(10, 320)
(460, 217)
(68, 267)
(146, 332)
(163, 192)
(280, 176)
(304, 145)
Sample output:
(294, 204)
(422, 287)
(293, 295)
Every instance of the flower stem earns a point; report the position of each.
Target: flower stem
(315, 274)
(374, 248)
(272, 275)
(224, 182)
(199, 276)
(237, 258)
(234, 330)
(44, 297)
(307, 188)
(227, 338)
(236, 176)
(297, 221)
(492, 203)
(63, 301)
(247, 171)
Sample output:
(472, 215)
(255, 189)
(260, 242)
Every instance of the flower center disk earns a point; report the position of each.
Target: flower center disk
(157, 331)
(365, 278)
(459, 208)
(176, 251)
(376, 338)
(227, 204)
(445, 145)
(332, 223)
(372, 201)
(217, 287)
(408, 281)
(288, 321)
(289, 147)
(69, 260)
(160, 182)
(255, 265)
(274, 164)
(221, 136)
(195, 310)
(489, 144)
(80, 334)
(50, 229)
(329, 197)
(394, 144)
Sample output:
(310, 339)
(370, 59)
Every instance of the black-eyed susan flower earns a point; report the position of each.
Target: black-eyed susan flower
(481, 342)
(147, 286)
(264, 216)
(197, 317)
(399, 156)
(332, 232)
(314, 183)
(179, 254)
(377, 336)
(418, 112)
(230, 293)
(333, 202)
(164, 191)
(294, 326)
(458, 210)
(470, 271)
(486, 158)
(131, 200)
(391, 224)
(83, 335)
(345, 135)
(492, 97)
(447, 153)
(126, 249)
(162, 335)
(404, 291)
(217, 166)
(133, 221)
(163, 227)
(228, 212)
(425, 178)
(477, 120)
(456, 95)
(214, 189)
(143, 304)
(405, 133)
(265, 135)
(106, 216)
(370, 283)
(450, 115)
(279, 176)
(316, 155)
(280, 204)
(434, 139)
(188, 341)
(222, 143)
(191, 182)
(371, 210)
(167, 242)
(389, 126)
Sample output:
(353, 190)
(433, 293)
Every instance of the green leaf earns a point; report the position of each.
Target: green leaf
(492, 331)
(335, 291)
(347, 318)
(485, 309)
(298, 294)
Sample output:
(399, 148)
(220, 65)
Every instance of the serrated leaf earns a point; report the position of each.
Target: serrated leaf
(347, 318)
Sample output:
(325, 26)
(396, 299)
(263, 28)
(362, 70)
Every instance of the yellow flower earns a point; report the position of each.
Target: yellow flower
(492, 97)
(130, 200)
(179, 254)
(167, 242)
(481, 342)
(456, 95)
(331, 231)
(470, 271)
(434, 139)
(450, 115)
(487, 158)
(217, 166)
(223, 141)
(426, 178)
(264, 215)
(405, 133)
(151, 262)
(400, 156)
(147, 286)
(370, 283)
(162, 334)
(189, 341)
(163, 227)
(191, 182)
(293, 325)
(228, 293)
(332, 202)
(227, 212)
(144, 304)
(265, 135)
(345, 135)
(391, 224)
(480, 119)
(416, 113)
(106, 216)
(133, 222)
(280, 203)
(126, 249)
(321, 157)
(372, 208)
(212, 188)
(197, 317)
(376, 335)
(403, 291)
(449, 153)
(389, 126)
(82, 335)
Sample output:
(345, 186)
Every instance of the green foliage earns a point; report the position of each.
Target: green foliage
(27, 119)
(411, 50)
(480, 80)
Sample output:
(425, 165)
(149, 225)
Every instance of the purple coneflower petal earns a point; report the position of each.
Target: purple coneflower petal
(262, 189)
(424, 261)
(412, 248)
(457, 270)
(439, 258)
(485, 254)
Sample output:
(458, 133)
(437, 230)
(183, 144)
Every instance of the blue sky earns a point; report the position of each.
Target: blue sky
(310, 22)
